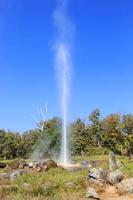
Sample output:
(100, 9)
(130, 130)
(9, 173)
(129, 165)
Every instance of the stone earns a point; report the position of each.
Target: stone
(91, 193)
(45, 168)
(32, 164)
(17, 173)
(39, 169)
(36, 165)
(115, 177)
(96, 163)
(120, 164)
(85, 162)
(97, 185)
(112, 161)
(2, 165)
(26, 185)
(23, 164)
(5, 176)
(98, 174)
(70, 185)
(125, 186)
(51, 164)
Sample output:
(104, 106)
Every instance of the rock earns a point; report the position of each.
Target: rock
(119, 164)
(23, 164)
(97, 185)
(112, 161)
(26, 185)
(115, 177)
(2, 165)
(51, 164)
(17, 173)
(44, 166)
(39, 169)
(96, 163)
(32, 164)
(91, 193)
(85, 162)
(70, 185)
(98, 174)
(125, 186)
(36, 165)
(5, 176)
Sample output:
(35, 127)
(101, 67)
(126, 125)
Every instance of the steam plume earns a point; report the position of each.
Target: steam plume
(62, 47)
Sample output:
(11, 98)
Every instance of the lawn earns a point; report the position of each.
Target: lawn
(56, 184)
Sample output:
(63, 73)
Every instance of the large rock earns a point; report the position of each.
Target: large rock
(23, 164)
(125, 186)
(70, 185)
(2, 165)
(92, 194)
(120, 164)
(44, 166)
(115, 177)
(5, 176)
(97, 185)
(112, 161)
(51, 164)
(98, 174)
(97, 179)
(17, 173)
(32, 164)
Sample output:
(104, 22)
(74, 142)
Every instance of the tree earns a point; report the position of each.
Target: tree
(49, 143)
(95, 127)
(78, 137)
(127, 121)
(112, 135)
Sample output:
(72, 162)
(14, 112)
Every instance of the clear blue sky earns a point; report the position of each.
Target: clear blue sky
(102, 59)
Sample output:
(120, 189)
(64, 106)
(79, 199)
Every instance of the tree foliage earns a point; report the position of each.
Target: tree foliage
(113, 132)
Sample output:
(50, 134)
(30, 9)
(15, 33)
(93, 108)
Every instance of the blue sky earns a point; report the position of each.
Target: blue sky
(102, 59)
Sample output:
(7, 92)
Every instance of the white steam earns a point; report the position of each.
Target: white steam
(63, 65)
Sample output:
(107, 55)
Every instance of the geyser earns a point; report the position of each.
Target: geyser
(62, 48)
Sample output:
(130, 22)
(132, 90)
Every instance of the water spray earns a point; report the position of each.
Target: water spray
(62, 47)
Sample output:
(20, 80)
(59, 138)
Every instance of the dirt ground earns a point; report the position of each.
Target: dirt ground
(111, 194)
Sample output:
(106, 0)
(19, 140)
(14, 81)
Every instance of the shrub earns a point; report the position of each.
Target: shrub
(92, 151)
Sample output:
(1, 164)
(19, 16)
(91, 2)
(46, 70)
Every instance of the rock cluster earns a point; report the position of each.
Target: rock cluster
(39, 166)
(25, 167)
(99, 179)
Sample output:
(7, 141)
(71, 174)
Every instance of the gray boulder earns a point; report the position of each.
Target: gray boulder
(5, 176)
(70, 185)
(32, 164)
(23, 164)
(112, 161)
(125, 186)
(97, 174)
(97, 185)
(120, 164)
(17, 173)
(92, 194)
(115, 177)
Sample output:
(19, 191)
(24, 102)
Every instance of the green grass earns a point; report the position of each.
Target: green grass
(49, 185)
(54, 184)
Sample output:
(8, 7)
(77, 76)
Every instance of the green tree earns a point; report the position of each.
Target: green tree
(78, 137)
(95, 127)
(127, 121)
(112, 135)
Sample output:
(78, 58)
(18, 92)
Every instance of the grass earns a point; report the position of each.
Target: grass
(56, 184)
(50, 185)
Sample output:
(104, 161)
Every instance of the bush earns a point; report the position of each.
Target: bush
(92, 151)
